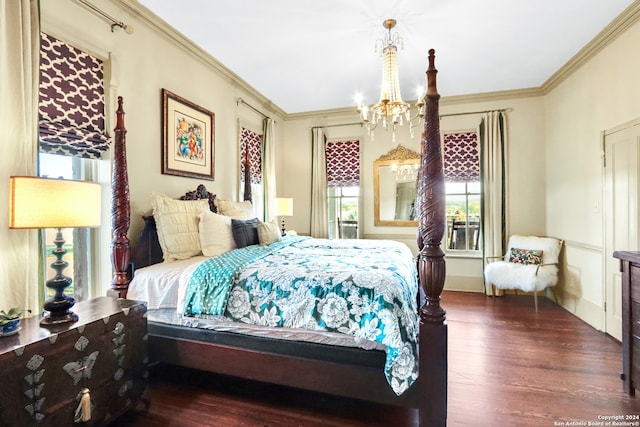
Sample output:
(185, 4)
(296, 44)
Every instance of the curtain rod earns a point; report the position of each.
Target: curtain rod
(114, 22)
(242, 101)
(338, 125)
(502, 110)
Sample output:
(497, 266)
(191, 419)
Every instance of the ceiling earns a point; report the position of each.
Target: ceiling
(308, 55)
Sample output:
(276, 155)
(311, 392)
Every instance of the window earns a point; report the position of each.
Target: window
(343, 212)
(463, 191)
(343, 192)
(72, 137)
(77, 240)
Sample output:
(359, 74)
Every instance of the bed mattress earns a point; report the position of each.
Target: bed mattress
(159, 285)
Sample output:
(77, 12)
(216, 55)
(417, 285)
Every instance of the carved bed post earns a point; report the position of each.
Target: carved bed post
(431, 263)
(247, 174)
(120, 208)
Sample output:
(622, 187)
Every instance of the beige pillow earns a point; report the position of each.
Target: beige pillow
(268, 233)
(177, 224)
(216, 236)
(235, 210)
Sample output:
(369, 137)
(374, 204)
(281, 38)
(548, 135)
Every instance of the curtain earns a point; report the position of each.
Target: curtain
(493, 171)
(72, 117)
(319, 215)
(461, 158)
(252, 151)
(343, 163)
(19, 64)
(269, 172)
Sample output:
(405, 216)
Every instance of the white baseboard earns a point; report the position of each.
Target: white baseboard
(464, 284)
(583, 309)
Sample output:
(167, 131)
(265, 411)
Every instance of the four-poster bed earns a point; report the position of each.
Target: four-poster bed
(345, 371)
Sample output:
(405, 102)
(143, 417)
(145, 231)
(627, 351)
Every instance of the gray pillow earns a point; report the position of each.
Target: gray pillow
(245, 232)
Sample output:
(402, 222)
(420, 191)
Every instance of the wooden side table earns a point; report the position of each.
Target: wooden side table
(43, 371)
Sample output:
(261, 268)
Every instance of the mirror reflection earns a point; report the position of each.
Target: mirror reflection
(395, 178)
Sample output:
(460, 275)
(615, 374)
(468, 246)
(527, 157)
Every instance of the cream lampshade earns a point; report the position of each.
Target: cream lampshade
(54, 203)
(284, 207)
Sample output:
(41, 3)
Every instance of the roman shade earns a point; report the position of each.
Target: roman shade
(71, 101)
(343, 163)
(461, 157)
(251, 149)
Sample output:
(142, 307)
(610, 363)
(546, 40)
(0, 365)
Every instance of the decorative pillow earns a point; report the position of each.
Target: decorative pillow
(177, 224)
(245, 233)
(237, 210)
(215, 233)
(525, 256)
(268, 233)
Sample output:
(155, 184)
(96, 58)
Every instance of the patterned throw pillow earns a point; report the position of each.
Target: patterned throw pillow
(525, 256)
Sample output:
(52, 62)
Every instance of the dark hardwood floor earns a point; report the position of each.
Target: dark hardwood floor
(508, 366)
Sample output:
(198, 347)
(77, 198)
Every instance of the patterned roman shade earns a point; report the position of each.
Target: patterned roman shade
(461, 157)
(343, 163)
(251, 141)
(71, 104)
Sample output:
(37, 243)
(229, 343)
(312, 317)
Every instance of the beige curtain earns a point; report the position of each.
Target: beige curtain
(19, 62)
(493, 171)
(319, 214)
(269, 170)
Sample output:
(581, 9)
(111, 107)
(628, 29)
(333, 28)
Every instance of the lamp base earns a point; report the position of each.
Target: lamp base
(58, 306)
(59, 312)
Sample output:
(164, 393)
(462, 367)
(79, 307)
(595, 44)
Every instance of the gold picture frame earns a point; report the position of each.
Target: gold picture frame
(188, 138)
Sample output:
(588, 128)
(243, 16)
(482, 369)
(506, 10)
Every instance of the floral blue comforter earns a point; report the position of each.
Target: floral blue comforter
(365, 288)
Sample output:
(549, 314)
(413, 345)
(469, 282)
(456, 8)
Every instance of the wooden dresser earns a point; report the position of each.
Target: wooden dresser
(44, 370)
(630, 268)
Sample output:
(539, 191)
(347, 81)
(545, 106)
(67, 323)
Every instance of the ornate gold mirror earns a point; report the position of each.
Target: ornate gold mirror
(395, 187)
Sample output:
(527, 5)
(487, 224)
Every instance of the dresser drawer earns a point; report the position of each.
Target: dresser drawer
(635, 281)
(635, 361)
(635, 318)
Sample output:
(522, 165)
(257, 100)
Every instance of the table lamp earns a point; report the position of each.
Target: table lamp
(54, 203)
(284, 207)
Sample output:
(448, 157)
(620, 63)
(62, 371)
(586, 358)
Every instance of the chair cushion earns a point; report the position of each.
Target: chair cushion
(526, 277)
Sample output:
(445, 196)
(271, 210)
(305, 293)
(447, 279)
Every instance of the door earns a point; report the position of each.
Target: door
(622, 153)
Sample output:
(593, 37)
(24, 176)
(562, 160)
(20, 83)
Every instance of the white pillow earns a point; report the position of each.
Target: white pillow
(268, 233)
(216, 236)
(177, 224)
(235, 210)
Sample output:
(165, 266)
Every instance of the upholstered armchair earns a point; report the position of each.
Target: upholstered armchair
(530, 265)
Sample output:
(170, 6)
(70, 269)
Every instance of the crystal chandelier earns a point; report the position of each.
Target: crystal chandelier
(390, 110)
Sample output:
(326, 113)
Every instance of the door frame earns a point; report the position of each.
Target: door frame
(607, 208)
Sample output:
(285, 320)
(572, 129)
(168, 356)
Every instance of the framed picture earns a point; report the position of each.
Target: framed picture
(188, 138)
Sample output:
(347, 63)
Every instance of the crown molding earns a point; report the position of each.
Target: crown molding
(622, 22)
(619, 25)
(160, 26)
(491, 96)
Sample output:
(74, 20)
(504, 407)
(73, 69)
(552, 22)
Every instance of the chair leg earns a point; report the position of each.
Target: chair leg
(535, 299)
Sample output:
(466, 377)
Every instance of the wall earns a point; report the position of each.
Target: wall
(526, 200)
(554, 176)
(139, 66)
(601, 94)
